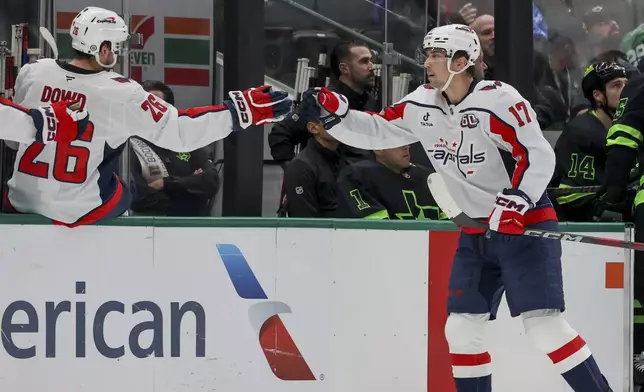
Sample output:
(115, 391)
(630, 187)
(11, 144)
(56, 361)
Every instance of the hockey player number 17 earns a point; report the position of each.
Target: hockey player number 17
(64, 152)
(520, 107)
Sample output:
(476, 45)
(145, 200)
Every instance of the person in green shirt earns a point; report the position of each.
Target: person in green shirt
(390, 187)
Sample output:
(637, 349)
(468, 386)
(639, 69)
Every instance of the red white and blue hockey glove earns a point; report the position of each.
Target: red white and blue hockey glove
(334, 107)
(257, 106)
(509, 208)
(61, 122)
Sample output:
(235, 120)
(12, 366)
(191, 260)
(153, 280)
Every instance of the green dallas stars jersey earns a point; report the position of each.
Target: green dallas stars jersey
(633, 45)
(624, 139)
(581, 158)
(367, 189)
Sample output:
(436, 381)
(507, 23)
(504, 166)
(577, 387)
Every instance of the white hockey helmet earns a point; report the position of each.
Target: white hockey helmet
(93, 26)
(454, 38)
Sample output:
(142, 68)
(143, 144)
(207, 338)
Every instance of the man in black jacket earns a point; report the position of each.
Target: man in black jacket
(168, 182)
(625, 152)
(352, 65)
(310, 179)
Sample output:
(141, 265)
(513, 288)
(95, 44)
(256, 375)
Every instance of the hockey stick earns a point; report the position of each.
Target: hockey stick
(634, 182)
(465, 221)
(46, 35)
(439, 191)
(571, 190)
(582, 189)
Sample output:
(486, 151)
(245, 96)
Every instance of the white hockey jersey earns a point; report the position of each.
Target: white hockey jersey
(489, 141)
(76, 183)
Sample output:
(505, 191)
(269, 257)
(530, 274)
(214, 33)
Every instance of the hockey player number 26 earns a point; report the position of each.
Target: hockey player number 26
(520, 107)
(156, 108)
(64, 155)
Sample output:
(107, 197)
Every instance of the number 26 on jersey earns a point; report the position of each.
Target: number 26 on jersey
(70, 162)
(156, 108)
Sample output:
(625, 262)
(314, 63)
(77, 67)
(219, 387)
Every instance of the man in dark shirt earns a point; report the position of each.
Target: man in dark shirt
(625, 149)
(168, 182)
(560, 71)
(352, 65)
(388, 188)
(484, 27)
(581, 148)
(310, 178)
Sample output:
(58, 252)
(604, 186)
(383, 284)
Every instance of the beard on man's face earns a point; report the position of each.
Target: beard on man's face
(490, 48)
(368, 81)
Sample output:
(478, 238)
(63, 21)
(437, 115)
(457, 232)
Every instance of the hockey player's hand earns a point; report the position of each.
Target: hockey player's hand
(61, 122)
(333, 106)
(308, 110)
(508, 211)
(612, 199)
(257, 106)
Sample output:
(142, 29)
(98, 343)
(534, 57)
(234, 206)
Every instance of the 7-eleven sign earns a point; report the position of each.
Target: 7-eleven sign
(143, 26)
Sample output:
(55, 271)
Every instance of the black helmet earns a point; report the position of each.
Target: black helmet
(597, 75)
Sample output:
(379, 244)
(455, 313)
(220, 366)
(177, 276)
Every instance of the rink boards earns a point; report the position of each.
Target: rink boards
(247, 304)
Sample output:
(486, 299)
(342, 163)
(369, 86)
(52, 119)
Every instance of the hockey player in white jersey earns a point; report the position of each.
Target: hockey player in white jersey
(484, 140)
(76, 184)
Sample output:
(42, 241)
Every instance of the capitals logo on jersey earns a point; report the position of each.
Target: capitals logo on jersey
(445, 144)
(445, 151)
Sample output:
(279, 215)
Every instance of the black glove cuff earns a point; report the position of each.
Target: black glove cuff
(233, 113)
(520, 193)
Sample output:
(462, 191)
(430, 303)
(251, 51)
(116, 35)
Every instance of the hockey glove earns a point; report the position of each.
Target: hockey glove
(307, 111)
(613, 199)
(257, 106)
(508, 211)
(61, 122)
(334, 106)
